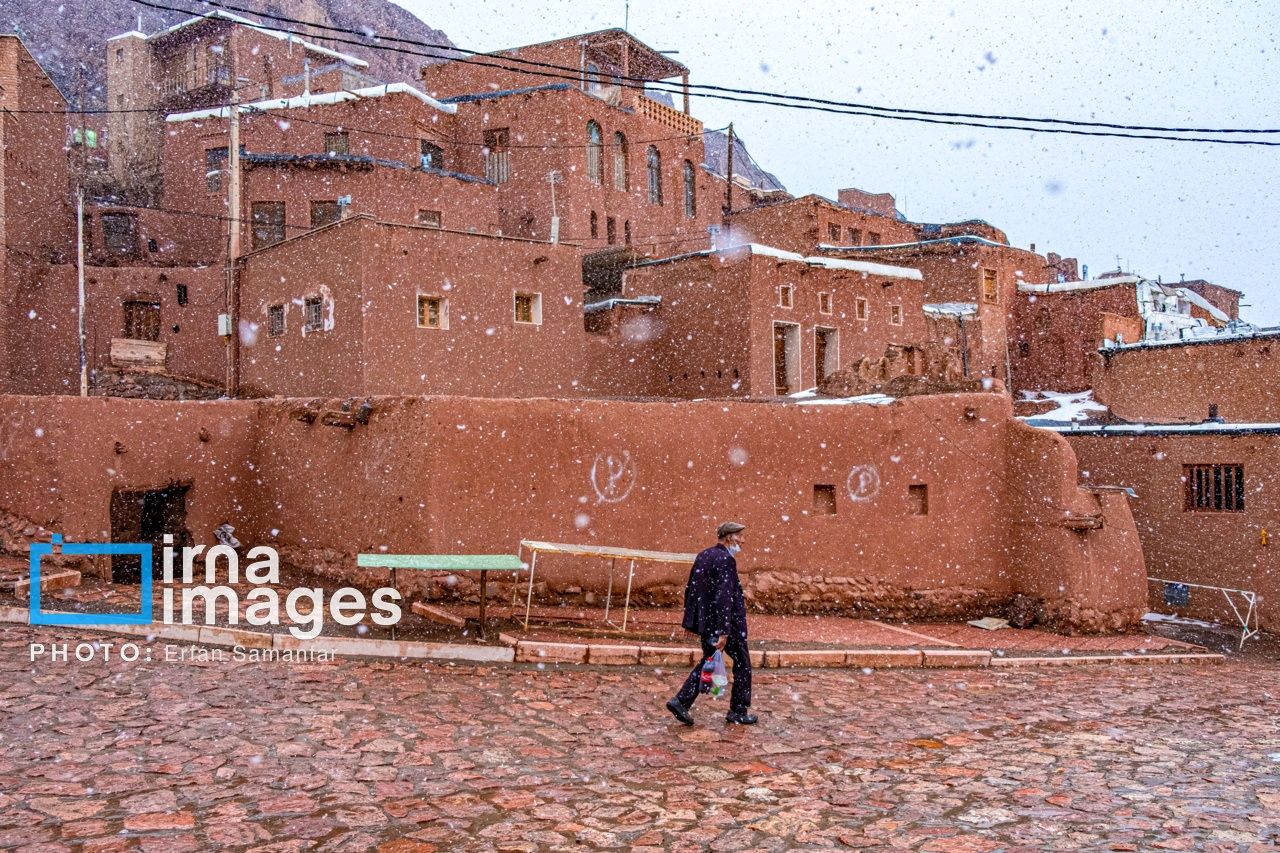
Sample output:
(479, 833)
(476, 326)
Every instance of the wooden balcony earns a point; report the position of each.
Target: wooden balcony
(669, 117)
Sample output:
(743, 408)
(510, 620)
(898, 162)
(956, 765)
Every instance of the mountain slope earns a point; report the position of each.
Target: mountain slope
(69, 38)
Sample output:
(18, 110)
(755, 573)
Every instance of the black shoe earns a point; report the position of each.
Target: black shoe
(741, 718)
(680, 712)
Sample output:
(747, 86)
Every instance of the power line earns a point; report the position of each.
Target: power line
(899, 113)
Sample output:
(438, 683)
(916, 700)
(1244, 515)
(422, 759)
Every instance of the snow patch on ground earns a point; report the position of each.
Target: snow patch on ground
(810, 397)
(1177, 620)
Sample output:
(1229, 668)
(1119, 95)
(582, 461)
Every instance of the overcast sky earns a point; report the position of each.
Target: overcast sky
(1165, 208)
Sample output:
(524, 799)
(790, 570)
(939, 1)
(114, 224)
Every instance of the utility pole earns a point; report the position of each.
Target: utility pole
(233, 248)
(553, 178)
(84, 358)
(728, 191)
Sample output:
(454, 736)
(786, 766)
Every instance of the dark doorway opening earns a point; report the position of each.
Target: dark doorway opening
(146, 516)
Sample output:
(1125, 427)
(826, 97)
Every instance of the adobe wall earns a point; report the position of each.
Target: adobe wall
(1175, 383)
(558, 119)
(61, 458)
(372, 273)
(1214, 548)
(1055, 337)
(802, 224)
(45, 354)
(462, 475)
(1053, 520)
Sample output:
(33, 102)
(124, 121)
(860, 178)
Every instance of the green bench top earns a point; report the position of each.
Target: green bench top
(442, 562)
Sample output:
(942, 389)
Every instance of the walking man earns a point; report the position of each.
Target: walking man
(714, 609)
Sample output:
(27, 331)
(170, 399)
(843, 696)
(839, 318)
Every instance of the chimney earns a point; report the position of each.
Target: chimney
(1033, 247)
(1213, 414)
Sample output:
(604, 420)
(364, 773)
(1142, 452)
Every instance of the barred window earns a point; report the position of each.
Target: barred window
(1213, 488)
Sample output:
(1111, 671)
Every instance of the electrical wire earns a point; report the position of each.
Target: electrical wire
(566, 72)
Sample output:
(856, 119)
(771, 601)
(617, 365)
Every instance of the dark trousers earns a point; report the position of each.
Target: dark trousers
(736, 649)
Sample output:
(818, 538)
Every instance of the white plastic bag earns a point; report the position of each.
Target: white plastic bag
(719, 677)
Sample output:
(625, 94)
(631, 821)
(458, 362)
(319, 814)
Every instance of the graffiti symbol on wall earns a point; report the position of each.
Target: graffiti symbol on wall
(613, 475)
(863, 483)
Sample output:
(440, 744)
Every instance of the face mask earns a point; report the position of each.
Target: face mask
(733, 549)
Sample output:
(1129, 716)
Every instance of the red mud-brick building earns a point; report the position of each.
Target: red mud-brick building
(200, 62)
(811, 222)
(753, 321)
(1059, 328)
(366, 307)
(966, 263)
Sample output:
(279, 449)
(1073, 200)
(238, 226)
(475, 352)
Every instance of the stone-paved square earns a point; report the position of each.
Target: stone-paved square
(360, 755)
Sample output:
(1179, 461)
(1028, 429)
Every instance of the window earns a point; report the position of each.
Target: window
(620, 180)
(655, 176)
(990, 293)
(826, 353)
(267, 219)
(528, 308)
(324, 212)
(497, 155)
(786, 296)
(690, 191)
(119, 54)
(895, 315)
(626, 232)
(312, 314)
(336, 143)
(595, 225)
(824, 499)
(873, 239)
(1213, 488)
(215, 163)
(855, 237)
(860, 309)
(429, 218)
(595, 151)
(181, 294)
(824, 303)
(120, 234)
(833, 232)
(918, 498)
(433, 312)
(610, 230)
(430, 156)
(275, 321)
(142, 320)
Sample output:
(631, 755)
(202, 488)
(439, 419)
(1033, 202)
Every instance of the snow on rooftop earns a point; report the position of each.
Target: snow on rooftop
(130, 34)
(887, 270)
(327, 98)
(1158, 429)
(810, 398)
(959, 238)
(1071, 286)
(1070, 407)
(1200, 302)
(952, 309)
(286, 37)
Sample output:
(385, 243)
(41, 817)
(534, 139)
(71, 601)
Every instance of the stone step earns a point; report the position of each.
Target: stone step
(51, 579)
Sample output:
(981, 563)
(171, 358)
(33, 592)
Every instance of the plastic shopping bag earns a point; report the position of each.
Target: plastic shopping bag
(719, 677)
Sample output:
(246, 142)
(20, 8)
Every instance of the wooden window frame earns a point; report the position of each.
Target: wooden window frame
(825, 302)
(895, 310)
(990, 295)
(308, 323)
(786, 296)
(442, 311)
(274, 329)
(534, 314)
(861, 310)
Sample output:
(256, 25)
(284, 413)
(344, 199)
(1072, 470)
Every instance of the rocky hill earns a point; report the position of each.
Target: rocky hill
(69, 38)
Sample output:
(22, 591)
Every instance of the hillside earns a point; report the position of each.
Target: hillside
(69, 39)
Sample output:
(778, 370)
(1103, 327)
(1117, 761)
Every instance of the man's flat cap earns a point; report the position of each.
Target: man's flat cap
(729, 527)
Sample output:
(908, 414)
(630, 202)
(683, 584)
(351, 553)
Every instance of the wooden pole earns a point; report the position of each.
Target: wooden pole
(233, 244)
(84, 358)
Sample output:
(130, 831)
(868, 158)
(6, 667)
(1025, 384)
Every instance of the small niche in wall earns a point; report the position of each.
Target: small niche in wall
(918, 498)
(824, 499)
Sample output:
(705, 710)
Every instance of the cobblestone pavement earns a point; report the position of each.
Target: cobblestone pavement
(358, 755)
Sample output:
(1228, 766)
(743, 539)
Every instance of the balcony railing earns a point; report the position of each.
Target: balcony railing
(669, 117)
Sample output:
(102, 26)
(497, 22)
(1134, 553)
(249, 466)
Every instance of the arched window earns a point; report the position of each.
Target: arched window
(594, 150)
(620, 180)
(690, 192)
(595, 225)
(655, 176)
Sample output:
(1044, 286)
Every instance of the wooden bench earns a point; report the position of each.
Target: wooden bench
(482, 563)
